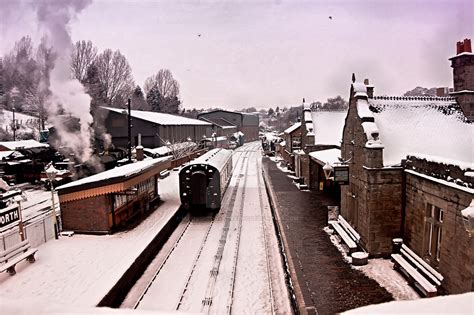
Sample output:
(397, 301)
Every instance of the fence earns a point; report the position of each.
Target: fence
(38, 230)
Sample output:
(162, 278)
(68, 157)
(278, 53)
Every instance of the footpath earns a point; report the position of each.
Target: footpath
(324, 283)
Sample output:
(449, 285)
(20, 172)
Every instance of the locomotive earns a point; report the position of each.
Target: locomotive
(202, 183)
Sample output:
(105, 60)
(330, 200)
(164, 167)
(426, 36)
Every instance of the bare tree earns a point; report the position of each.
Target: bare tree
(165, 82)
(167, 87)
(115, 75)
(19, 70)
(83, 55)
(180, 148)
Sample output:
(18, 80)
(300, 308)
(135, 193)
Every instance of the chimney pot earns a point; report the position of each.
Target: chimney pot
(366, 81)
(459, 48)
(467, 45)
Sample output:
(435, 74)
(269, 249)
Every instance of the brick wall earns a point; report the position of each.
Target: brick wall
(86, 215)
(456, 262)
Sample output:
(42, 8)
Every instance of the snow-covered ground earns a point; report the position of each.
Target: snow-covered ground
(249, 276)
(80, 270)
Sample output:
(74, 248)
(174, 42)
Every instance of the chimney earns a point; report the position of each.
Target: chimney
(467, 45)
(370, 89)
(140, 155)
(463, 77)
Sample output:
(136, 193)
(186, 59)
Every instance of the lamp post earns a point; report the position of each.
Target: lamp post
(51, 172)
(21, 228)
(327, 170)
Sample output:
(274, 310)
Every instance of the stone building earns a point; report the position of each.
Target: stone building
(321, 131)
(291, 142)
(410, 165)
(246, 123)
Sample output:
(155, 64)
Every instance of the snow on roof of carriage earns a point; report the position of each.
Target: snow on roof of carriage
(270, 136)
(328, 126)
(215, 157)
(448, 304)
(292, 128)
(25, 144)
(330, 156)
(422, 127)
(161, 118)
(128, 170)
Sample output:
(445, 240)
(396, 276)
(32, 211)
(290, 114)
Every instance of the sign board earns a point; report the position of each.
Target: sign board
(341, 175)
(9, 216)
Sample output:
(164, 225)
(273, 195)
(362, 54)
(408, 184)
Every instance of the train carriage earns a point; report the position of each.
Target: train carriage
(204, 180)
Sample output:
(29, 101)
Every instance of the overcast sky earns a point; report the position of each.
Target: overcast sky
(235, 54)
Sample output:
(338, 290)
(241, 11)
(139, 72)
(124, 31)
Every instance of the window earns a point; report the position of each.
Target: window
(434, 217)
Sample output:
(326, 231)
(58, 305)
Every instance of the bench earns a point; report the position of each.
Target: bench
(417, 271)
(347, 233)
(13, 255)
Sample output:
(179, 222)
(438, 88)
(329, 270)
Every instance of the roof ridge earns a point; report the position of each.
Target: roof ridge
(415, 98)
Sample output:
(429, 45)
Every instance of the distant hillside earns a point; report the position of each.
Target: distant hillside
(421, 91)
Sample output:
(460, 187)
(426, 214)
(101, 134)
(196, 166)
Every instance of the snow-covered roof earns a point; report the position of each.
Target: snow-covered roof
(330, 156)
(307, 116)
(158, 151)
(328, 126)
(116, 174)
(161, 118)
(292, 128)
(216, 158)
(425, 125)
(24, 144)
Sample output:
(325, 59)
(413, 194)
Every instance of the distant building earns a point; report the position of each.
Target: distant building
(221, 127)
(410, 173)
(321, 135)
(155, 128)
(246, 123)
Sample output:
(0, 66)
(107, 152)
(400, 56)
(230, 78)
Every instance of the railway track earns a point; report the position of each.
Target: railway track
(196, 258)
(207, 301)
(211, 264)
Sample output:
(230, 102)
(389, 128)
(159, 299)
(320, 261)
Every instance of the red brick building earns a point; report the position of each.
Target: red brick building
(105, 201)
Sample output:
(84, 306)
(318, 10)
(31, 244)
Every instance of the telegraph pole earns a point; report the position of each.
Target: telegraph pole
(129, 132)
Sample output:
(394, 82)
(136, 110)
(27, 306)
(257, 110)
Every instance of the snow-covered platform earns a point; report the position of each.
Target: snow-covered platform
(79, 271)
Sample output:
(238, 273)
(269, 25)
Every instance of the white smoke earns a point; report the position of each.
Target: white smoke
(54, 17)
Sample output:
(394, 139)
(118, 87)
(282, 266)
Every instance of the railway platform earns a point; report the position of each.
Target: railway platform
(325, 283)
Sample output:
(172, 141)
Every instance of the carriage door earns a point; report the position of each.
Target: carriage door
(199, 188)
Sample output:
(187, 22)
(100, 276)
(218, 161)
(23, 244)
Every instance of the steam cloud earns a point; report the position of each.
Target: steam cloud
(53, 18)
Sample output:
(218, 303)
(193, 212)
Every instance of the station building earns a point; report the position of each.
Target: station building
(103, 202)
(155, 128)
(246, 123)
(411, 174)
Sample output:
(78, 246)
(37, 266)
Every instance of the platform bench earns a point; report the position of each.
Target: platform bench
(420, 274)
(347, 233)
(13, 255)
